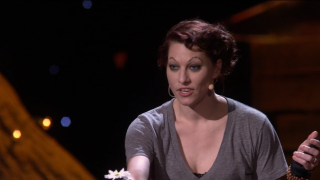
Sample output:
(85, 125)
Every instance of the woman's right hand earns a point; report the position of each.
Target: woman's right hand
(139, 167)
(311, 160)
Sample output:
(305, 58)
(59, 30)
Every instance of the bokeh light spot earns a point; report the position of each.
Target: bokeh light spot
(46, 122)
(16, 134)
(87, 4)
(54, 69)
(65, 121)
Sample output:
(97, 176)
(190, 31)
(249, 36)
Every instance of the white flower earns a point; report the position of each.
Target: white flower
(115, 174)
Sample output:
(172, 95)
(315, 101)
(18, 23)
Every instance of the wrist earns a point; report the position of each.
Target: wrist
(292, 177)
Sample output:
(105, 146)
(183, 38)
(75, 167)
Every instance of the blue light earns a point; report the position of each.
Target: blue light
(65, 121)
(54, 69)
(87, 4)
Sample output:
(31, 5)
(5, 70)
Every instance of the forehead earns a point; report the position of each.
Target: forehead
(180, 52)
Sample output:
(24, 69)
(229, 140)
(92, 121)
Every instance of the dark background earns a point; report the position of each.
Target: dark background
(100, 99)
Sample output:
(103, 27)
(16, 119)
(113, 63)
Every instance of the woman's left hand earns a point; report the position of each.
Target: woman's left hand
(309, 162)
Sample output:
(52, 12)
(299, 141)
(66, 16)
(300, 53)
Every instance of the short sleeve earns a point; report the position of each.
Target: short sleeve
(139, 139)
(271, 163)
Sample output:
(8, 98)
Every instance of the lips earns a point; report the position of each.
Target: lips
(185, 91)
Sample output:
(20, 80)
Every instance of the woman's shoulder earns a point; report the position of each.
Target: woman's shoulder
(245, 111)
(156, 115)
(249, 119)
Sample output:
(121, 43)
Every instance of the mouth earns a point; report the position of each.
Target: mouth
(185, 91)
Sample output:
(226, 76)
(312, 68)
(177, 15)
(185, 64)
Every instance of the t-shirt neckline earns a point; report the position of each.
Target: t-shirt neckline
(177, 150)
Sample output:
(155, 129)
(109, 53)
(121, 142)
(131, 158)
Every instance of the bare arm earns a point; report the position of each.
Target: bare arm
(139, 167)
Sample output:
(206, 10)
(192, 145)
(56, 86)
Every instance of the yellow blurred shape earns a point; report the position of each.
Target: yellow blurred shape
(46, 122)
(16, 134)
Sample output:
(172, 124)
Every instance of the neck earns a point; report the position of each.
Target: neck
(210, 108)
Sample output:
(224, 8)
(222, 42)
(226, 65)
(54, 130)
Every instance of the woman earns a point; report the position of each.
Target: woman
(200, 133)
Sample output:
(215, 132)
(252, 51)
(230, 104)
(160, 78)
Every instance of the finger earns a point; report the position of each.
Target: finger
(300, 158)
(304, 163)
(313, 135)
(306, 157)
(300, 149)
(307, 161)
(315, 142)
(310, 150)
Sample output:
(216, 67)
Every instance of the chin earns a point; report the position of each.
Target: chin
(191, 102)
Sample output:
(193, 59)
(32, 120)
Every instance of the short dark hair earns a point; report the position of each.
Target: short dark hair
(212, 39)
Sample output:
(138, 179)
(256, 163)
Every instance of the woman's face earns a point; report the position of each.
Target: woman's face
(189, 73)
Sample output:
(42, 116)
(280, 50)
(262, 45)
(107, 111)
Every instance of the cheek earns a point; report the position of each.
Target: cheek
(204, 84)
(203, 79)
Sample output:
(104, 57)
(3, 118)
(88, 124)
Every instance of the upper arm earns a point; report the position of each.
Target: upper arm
(139, 140)
(139, 149)
(271, 162)
(139, 167)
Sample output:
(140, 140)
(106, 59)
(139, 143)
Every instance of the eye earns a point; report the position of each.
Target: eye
(173, 67)
(195, 67)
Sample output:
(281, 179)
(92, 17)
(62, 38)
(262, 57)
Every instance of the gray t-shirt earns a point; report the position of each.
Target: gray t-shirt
(250, 148)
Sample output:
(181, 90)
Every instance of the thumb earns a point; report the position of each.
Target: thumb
(313, 135)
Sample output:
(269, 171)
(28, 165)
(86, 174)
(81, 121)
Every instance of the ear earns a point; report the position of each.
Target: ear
(217, 69)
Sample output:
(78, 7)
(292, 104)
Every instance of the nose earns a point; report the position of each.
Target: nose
(183, 77)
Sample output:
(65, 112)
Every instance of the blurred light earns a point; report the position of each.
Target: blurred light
(46, 122)
(256, 10)
(65, 121)
(54, 69)
(16, 134)
(120, 59)
(87, 4)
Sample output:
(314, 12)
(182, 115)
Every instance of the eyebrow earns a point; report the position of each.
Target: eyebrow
(189, 59)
